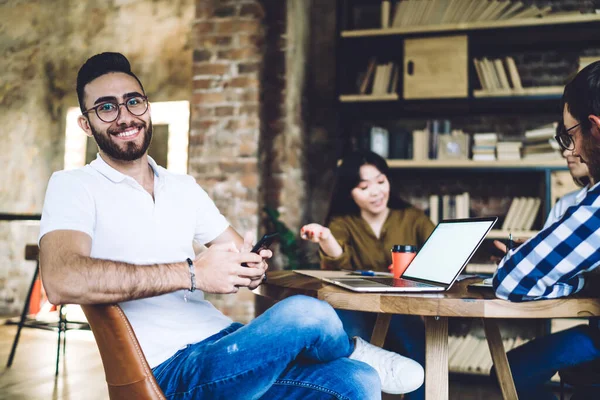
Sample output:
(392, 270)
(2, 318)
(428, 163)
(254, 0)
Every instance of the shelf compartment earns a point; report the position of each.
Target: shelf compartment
(471, 26)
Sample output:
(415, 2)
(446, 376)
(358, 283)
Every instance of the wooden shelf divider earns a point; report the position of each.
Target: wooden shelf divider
(479, 25)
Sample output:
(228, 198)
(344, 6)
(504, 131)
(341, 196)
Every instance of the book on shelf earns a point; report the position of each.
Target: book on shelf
(515, 78)
(449, 206)
(420, 145)
(407, 13)
(368, 77)
(385, 13)
(494, 76)
(508, 151)
(484, 146)
(503, 78)
(521, 214)
(540, 143)
(471, 354)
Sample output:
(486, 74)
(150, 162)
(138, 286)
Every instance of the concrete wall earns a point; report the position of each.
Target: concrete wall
(42, 46)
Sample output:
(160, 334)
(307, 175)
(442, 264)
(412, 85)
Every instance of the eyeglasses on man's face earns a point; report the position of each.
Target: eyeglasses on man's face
(565, 139)
(109, 111)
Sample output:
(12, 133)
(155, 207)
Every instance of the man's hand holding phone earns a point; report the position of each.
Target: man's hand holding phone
(260, 248)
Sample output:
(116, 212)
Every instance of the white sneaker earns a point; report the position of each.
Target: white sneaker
(398, 374)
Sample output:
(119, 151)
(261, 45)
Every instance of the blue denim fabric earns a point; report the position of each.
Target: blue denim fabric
(406, 336)
(534, 363)
(297, 349)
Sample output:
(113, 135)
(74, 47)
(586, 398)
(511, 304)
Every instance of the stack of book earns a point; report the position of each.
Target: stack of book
(450, 206)
(539, 144)
(484, 146)
(379, 78)
(430, 12)
(521, 214)
(508, 151)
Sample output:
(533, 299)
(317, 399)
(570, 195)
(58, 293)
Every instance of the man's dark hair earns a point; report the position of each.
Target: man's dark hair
(582, 95)
(99, 65)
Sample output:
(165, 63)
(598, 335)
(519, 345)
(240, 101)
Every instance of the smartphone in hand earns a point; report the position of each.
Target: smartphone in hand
(263, 243)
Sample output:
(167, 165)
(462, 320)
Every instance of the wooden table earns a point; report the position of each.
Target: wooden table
(436, 308)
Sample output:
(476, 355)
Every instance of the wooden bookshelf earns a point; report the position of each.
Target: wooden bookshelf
(354, 98)
(471, 26)
(533, 91)
(426, 164)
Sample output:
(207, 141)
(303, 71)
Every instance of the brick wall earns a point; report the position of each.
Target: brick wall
(228, 42)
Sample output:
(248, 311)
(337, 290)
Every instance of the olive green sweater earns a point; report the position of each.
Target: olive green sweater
(363, 250)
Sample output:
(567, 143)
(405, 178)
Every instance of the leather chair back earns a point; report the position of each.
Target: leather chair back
(128, 375)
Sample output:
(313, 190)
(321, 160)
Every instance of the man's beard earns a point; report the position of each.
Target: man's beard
(131, 151)
(591, 157)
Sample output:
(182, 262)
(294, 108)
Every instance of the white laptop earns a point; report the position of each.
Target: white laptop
(436, 266)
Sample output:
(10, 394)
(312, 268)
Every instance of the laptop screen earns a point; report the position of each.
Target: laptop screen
(448, 248)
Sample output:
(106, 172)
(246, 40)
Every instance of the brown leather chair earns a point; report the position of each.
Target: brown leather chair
(128, 375)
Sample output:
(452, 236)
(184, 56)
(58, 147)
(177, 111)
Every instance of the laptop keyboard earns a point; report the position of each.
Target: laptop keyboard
(399, 282)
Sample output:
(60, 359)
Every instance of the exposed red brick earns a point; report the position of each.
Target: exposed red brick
(249, 180)
(203, 125)
(252, 10)
(199, 112)
(204, 83)
(239, 26)
(204, 9)
(248, 109)
(208, 98)
(227, 111)
(225, 11)
(244, 68)
(238, 54)
(243, 82)
(210, 69)
(247, 122)
(203, 27)
(250, 40)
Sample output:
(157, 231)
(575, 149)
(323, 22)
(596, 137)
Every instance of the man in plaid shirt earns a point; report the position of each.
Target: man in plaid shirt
(552, 263)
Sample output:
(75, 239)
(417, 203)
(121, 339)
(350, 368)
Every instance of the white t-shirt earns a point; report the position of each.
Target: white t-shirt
(127, 225)
(561, 206)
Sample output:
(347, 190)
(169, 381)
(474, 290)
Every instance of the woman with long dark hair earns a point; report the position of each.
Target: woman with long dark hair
(364, 221)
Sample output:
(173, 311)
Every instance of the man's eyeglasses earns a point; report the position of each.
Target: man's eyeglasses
(109, 111)
(565, 139)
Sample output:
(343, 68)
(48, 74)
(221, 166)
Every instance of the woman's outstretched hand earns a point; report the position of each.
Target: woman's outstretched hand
(315, 233)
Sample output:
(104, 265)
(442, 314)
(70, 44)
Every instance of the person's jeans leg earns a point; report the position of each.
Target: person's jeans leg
(535, 362)
(406, 335)
(250, 358)
(338, 379)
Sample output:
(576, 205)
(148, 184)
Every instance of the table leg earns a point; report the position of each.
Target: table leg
(380, 329)
(436, 358)
(507, 385)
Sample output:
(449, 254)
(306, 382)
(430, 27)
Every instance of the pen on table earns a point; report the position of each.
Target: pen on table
(360, 272)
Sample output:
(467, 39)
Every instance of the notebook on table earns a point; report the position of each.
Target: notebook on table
(435, 267)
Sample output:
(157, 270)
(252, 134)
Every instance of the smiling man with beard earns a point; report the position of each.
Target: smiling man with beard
(552, 263)
(121, 230)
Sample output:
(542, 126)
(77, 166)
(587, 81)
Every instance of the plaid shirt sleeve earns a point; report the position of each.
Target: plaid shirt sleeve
(550, 264)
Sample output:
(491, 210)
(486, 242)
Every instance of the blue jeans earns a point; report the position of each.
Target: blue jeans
(534, 363)
(406, 336)
(297, 349)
